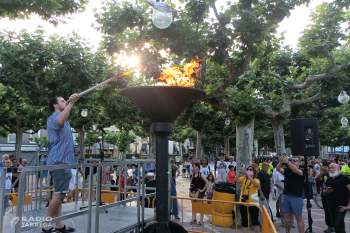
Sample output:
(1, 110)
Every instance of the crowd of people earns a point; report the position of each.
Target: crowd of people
(283, 179)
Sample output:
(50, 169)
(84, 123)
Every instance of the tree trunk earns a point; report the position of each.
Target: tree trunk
(18, 145)
(244, 149)
(82, 145)
(256, 147)
(227, 145)
(278, 132)
(199, 145)
(152, 145)
(216, 148)
(266, 149)
(180, 145)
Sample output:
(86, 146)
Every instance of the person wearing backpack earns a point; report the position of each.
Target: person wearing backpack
(205, 168)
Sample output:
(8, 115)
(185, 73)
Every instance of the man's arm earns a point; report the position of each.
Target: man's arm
(206, 183)
(348, 206)
(311, 173)
(279, 166)
(295, 169)
(65, 113)
(262, 197)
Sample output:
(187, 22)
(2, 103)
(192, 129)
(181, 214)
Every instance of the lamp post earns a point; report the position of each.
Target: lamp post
(136, 143)
(84, 114)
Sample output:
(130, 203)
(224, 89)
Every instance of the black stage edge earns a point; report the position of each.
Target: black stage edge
(162, 130)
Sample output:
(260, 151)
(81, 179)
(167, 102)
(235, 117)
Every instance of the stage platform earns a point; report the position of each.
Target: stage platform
(118, 219)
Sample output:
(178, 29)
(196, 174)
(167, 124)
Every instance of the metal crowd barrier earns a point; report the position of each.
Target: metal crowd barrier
(204, 206)
(28, 185)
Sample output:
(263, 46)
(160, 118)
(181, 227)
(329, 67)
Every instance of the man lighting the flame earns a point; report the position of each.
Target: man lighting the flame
(60, 151)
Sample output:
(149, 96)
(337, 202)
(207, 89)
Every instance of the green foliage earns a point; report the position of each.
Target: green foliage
(40, 141)
(121, 139)
(3, 133)
(46, 9)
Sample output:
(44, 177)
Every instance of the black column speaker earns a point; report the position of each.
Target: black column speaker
(304, 135)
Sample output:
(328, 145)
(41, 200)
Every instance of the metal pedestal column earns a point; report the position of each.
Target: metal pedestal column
(162, 131)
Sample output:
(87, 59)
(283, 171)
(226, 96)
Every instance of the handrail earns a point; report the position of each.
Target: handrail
(29, 185)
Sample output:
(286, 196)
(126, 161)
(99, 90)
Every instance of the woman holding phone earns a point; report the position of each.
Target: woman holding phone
(249, 194)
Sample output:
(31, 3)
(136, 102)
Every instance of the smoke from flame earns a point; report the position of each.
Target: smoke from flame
(177, 76)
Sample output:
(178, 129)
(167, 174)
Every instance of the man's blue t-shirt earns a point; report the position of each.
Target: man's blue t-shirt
(136, 173)
(1, 164)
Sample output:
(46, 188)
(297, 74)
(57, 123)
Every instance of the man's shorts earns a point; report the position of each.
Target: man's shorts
(61, 179)
(292, 204)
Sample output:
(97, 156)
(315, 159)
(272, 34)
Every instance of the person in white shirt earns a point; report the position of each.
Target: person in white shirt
(221, 167)
(8, 183)
(230, 162)
(205, 168)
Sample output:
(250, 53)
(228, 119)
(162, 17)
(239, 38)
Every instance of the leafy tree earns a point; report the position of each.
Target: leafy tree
(297, 78)
(40, 141)
(20, 114)
(37, 69)
(121, 139)
(48, 10)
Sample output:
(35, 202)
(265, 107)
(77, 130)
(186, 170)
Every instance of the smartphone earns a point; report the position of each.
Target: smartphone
(243, 167)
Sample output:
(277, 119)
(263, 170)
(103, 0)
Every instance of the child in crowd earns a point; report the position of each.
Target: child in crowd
(184, 168)
(231, 174)
(211, 186)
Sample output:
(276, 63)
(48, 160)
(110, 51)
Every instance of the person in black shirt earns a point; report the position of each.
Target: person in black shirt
(265, 186)
(322, 179)
(293, 192)
(199, 182)
(338, 187)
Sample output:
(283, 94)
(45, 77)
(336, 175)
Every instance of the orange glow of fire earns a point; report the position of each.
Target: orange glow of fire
(177, 76)
(131, 71)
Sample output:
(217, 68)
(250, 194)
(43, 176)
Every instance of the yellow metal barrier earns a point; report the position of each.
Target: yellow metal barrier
(204, 206)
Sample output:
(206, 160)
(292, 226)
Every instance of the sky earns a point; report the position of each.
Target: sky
(82, 22)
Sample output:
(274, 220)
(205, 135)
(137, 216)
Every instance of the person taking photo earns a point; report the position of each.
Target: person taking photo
(249, 194)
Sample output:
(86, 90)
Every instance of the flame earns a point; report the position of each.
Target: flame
(131, 71)
(177, 76)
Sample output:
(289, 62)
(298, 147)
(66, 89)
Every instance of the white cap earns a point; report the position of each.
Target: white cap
(150, 174)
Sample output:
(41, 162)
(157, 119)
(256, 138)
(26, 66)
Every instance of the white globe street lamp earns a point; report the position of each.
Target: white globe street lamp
(84, 113)
(162, 14)
(227, 121)
(161, 19)
(343, 97)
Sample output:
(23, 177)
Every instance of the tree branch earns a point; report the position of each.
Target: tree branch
(269, 72)
(219, 105)
(313, 78)
(217, 14)
(308, 100)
